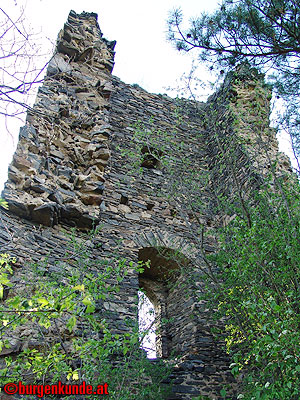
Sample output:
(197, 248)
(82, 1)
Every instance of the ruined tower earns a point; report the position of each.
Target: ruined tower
(74, 169)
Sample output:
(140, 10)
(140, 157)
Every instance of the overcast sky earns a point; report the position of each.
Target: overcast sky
(143, 55)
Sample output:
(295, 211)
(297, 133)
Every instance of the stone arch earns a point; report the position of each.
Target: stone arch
(165, 286)
(158, 238)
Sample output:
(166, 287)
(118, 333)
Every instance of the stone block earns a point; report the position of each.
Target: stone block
(57, 65)
(46, 214)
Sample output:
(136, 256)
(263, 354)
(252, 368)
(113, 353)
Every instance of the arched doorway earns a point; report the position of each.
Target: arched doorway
(163, 284)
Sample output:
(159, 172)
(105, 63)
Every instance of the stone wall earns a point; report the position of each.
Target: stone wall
(70, 170)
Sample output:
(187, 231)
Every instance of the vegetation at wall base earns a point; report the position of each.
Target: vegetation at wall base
(252, 280)
(258, 293)
(63, 331)
(257, 285)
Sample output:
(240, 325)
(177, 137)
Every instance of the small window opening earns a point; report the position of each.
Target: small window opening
(150, 206)
(147, 325)
(150, 158)
(124, 199)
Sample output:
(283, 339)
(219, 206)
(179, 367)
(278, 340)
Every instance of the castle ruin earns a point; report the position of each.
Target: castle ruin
(71, 170)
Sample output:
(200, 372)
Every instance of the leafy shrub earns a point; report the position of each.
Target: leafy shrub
(68, 335)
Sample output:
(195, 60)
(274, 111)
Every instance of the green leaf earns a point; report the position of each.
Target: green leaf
(87, 301)
(71, 323)
(3, 204)
(44, 302)
(15, 302)
(79, 287)
(90, 309)
(4, 280)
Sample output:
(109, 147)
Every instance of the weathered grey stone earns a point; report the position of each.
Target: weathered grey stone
(70, 211)
(56, 181)
(67, 194)
(21, 163)
(93, 187)
(103, 154)
(27, 132)
(15, 175)
(17, 207)
(56, 197)
(46, 214)
(36, 161)
(38, 188)
(66, 48)
(13, 348)
(139, 205)
(87, 222)
(57, 154)
(104, 132)
(57, 64)
(91, 199)
(132, 216)
(65, 171)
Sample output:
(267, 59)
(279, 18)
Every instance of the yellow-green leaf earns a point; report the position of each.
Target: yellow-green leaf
(43, 301)
(79, 287)
(87, 301)
(71, 323)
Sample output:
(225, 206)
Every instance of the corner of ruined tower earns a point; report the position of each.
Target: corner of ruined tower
(57, 172)
(238, 131)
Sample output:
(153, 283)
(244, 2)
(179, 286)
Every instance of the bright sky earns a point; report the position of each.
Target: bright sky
(143, 55)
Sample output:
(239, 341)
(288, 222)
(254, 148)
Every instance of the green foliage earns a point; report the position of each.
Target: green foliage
(3, 203)
(5, 270)
(253, 279)
(72, 337)
(258, 292)
(256, 270)
(262, 33)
